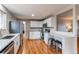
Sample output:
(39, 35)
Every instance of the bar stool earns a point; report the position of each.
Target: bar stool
(51, 41)
(58, 45)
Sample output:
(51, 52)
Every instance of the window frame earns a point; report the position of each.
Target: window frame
(3, 23)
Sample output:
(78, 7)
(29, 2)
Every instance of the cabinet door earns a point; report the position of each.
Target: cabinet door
(49, 22)
(36, 24)
(16, 44)
(35, 35)
(44, 21)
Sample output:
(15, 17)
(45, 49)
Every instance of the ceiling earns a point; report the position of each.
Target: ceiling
(39, 11)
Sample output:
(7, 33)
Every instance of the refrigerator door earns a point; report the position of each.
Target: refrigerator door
(14, 27)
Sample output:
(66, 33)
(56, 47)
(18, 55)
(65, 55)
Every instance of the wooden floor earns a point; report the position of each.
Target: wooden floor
(36, 47)
(78, 45)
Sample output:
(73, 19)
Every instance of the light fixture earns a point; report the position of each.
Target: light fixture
(69, 27)
(33, 15)
(24, 22)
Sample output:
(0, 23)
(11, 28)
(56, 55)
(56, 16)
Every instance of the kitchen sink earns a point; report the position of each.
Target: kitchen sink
(7, 37)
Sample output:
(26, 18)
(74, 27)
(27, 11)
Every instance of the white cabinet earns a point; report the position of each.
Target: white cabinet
(69, 43)
(35, 23)
(49, 22)
(35, 35)
(44, 21)
(16, 44)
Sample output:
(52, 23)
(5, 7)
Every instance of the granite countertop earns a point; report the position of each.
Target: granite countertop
(5, 42)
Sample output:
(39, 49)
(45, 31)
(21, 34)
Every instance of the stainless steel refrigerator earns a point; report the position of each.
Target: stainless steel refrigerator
(16, 27)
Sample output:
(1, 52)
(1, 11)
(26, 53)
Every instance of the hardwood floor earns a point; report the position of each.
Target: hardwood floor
(78, 45)
(36, 47)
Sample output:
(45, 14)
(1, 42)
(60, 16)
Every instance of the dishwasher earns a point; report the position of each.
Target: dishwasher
(9, 49)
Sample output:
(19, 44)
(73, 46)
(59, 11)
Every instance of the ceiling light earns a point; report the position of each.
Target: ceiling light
(33, 15)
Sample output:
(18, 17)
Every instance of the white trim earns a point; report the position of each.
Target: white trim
(74, 21)
(75, 27)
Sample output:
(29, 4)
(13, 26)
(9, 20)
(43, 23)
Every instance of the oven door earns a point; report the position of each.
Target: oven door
(9, 49)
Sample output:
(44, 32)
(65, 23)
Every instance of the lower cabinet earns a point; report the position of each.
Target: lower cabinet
(16, 44)
(35, 35)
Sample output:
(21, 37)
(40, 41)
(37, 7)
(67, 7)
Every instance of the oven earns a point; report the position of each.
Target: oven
(9, 49)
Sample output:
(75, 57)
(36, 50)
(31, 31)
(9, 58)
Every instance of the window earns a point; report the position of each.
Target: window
(2, 20)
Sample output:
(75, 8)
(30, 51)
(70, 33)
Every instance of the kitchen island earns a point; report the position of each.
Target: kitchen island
(69, 42)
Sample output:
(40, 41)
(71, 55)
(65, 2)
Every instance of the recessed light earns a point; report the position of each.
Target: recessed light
(33, 15)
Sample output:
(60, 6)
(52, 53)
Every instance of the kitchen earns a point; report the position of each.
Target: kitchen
(48, 29)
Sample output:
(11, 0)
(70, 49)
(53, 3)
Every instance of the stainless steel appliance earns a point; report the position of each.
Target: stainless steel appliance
(16, 27)
(9, 49)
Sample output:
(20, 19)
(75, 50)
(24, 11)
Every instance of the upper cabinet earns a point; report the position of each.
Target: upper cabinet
(36, 23)
(50, 22)
(44, 21)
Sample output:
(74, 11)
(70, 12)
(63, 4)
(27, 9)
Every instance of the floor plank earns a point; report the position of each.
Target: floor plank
(78, 45)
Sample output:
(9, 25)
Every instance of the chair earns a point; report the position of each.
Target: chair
(51, 42)
(58, 45)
